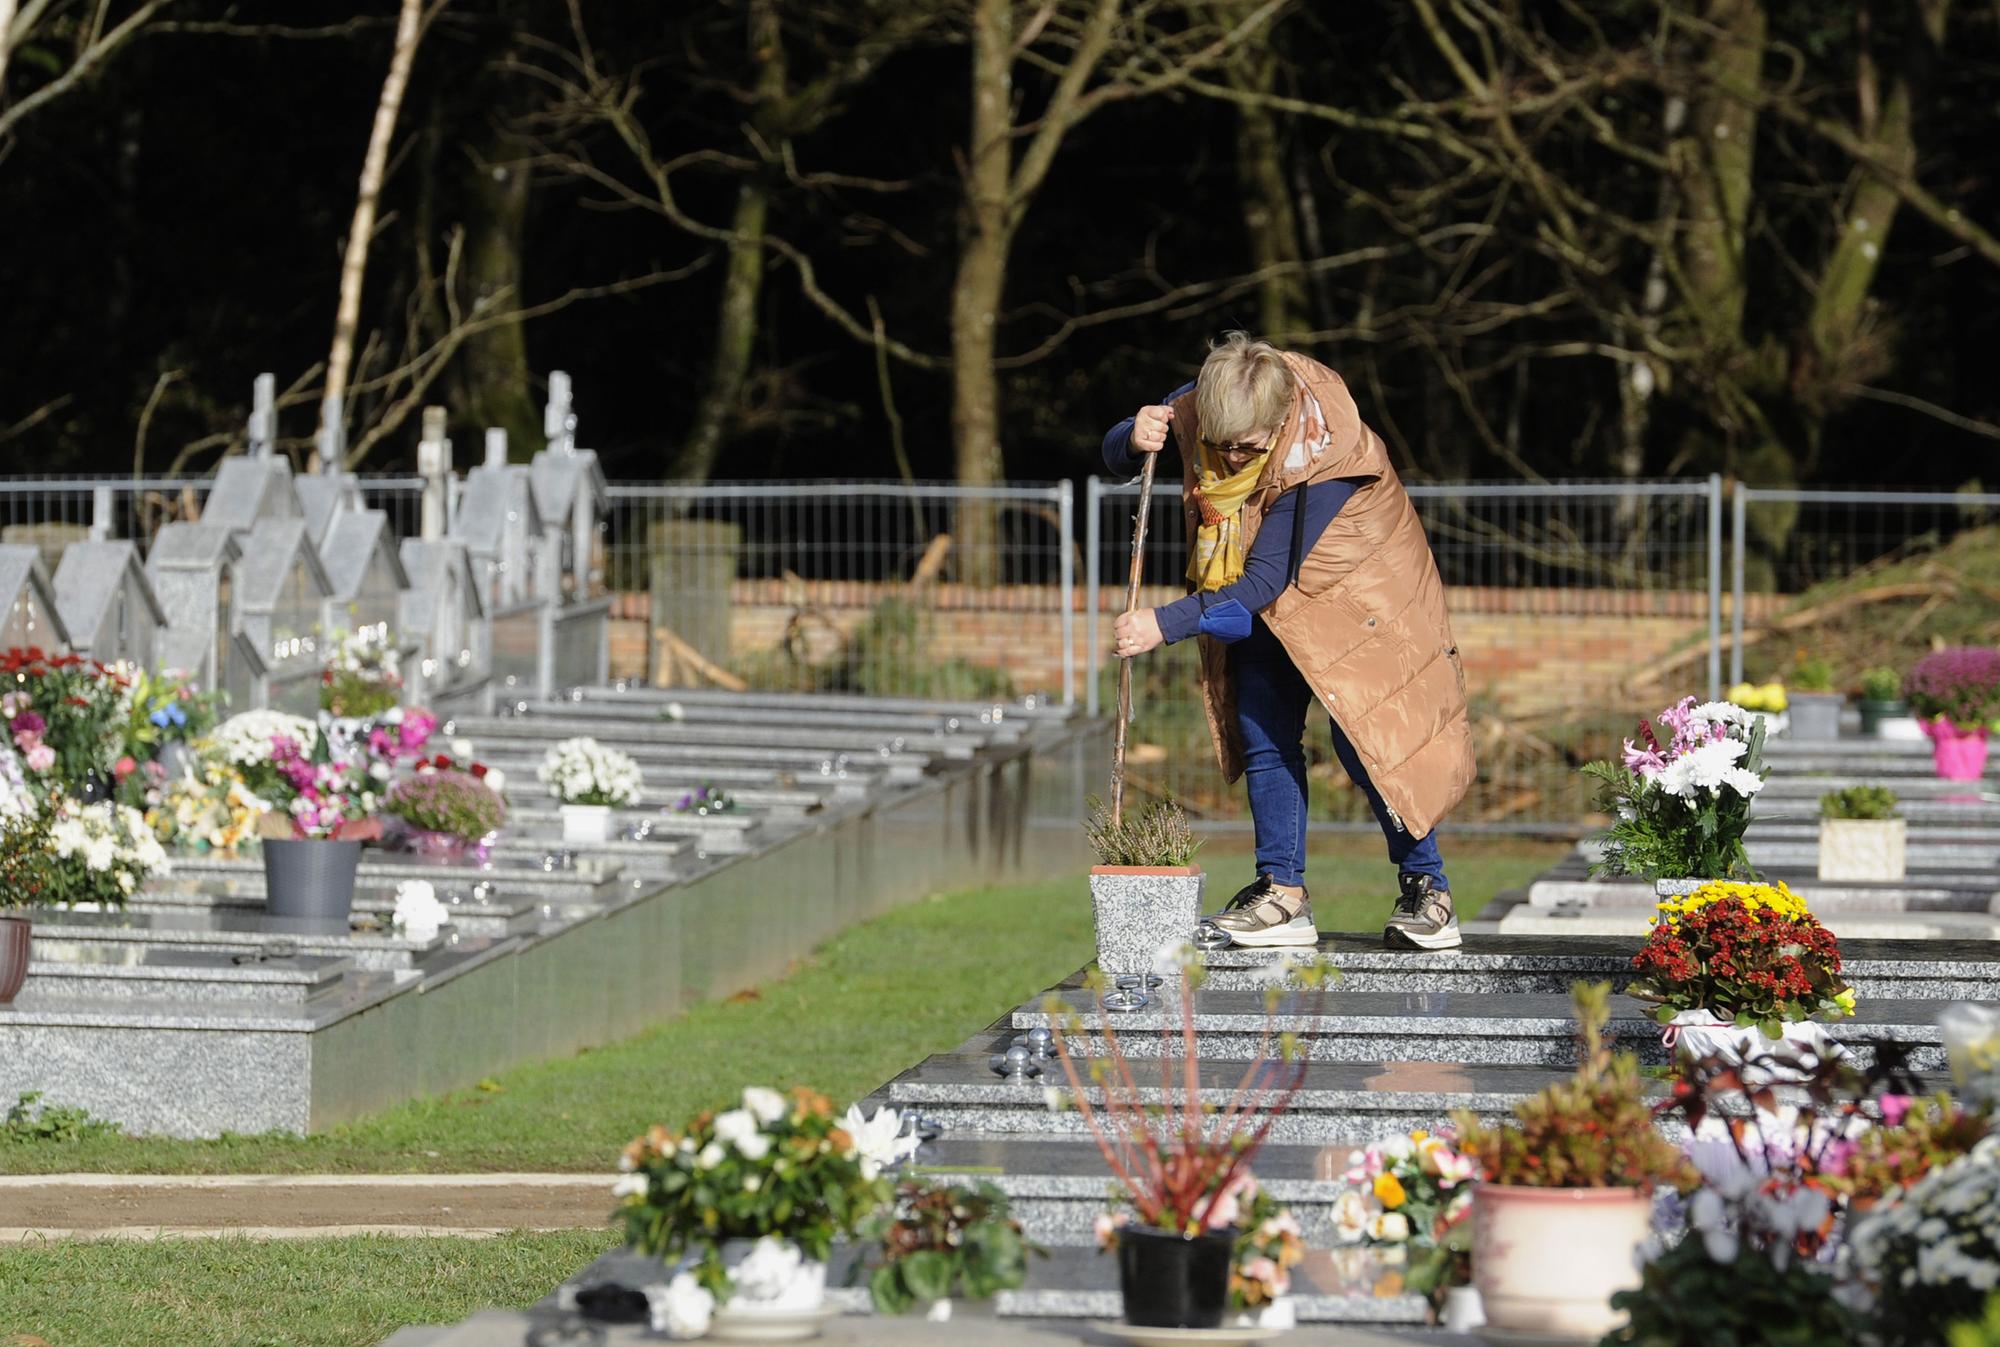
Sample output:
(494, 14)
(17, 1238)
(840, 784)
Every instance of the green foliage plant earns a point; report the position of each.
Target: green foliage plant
(1157, 836)
(1870, 804)
(1881, 684)
(1812, 674)
(1594, 1130)
(30, 1122)
(1981, 1332)
(948, 1242)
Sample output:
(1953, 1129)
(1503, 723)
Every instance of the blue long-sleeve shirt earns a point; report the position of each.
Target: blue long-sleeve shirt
(1227, 613)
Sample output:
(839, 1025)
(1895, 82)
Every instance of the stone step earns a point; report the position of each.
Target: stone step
(482, 913)
(1033, 709)
(585, 879)
(105, 973)
(805, 721)
(1919, 927)
(1345, 1104)
(1443, 1027)
(1892, 969)
(1834, 902)
(667, 742)
(1937, 809)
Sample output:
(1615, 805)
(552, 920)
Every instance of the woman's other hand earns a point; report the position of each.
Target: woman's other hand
(1137, 632)
(1149, 429)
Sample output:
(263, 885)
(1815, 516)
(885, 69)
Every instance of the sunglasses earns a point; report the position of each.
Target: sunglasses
(1245, 446)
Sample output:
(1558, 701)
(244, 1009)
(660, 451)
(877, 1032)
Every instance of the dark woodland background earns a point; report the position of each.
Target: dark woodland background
(1538, 237)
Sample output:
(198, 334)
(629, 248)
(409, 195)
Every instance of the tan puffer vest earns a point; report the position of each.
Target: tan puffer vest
(1366, 621)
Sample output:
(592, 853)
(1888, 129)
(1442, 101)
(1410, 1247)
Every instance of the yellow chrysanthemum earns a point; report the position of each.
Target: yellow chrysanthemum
(1389, 1191)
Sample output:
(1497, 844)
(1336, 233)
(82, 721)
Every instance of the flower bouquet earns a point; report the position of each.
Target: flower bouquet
(946, 1243)
(588, 780)
(207, 806)
(1915, 1137)
(1183, 1167)
(1268, 1246)
(1409, 1198)
(754, 1197)
(324, 798)
(704, 801)
(1574, 1171)
(360, 680)
(1729, 962)
(1955, 693)
(1679, 809)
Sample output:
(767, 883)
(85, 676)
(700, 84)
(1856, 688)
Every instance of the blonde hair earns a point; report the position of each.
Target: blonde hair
(1244, 386)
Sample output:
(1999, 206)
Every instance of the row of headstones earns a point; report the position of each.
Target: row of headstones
(279, 562)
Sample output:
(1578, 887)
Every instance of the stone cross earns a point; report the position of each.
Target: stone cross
(264, 416)
(434, 466)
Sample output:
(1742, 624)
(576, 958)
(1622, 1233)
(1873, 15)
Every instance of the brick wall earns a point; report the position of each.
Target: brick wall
(1530, 651)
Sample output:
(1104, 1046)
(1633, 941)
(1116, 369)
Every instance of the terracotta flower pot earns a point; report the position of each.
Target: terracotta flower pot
(14, 945)
(1548, 1260)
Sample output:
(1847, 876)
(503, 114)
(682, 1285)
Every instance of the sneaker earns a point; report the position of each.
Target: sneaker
(1424, 918)
(1260, 916)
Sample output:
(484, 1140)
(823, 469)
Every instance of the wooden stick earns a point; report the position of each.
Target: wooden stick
(1124, 664)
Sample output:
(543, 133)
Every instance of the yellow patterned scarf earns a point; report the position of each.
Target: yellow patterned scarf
(1216, 558)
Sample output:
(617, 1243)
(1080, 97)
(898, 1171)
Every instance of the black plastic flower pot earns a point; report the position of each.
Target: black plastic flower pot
(1172, 1282)
(1873, 713)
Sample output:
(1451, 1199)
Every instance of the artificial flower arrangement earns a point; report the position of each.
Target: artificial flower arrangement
(583, 771)
(1747, 954)
(162, 709)
(360, 680)
(947, 1242)
(1960, 685)
(1270, 1244)
(1410, 1198)
(418, 914)
(780, 1169)
(315, 791)
(63, 713)
(1680, 809)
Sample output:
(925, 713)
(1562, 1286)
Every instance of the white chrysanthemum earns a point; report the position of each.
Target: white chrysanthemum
(583, 771)
(245, 739)
(764, 1104)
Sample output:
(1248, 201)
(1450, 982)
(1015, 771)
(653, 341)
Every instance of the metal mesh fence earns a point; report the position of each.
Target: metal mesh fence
(854, 587)
(1575, 606)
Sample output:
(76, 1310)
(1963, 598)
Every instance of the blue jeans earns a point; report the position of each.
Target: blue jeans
(1271, 702)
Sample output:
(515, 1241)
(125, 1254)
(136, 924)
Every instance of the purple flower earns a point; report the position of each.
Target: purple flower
(1644, 761)
(1961, 684)
(28, 722)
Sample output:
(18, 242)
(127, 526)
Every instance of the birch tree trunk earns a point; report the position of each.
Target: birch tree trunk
(354, 258)
(1270, 222)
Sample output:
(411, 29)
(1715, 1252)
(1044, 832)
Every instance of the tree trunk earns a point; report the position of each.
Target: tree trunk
(492, 365)
(361, 231)
(735, 335)
(1715, 162)
(1269, 220)
(977, 290)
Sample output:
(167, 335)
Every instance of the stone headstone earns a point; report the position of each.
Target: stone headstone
(324, 496)
(28, 613)
(192, 569)
(358, 552)
(442, 611)
(502, 529)
(248, 490)
(107, 605)
(281, 599)
(691, 570)
(50, 539)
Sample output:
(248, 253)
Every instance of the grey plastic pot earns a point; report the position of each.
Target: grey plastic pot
(310, 879)
(1816, 715)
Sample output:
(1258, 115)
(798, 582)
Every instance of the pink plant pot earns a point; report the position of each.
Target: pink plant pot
(1960, 755)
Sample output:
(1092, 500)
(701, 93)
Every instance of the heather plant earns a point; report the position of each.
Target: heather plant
(1863, 803)
(1961, 684)
(1593, 1130)
(451, 802)
(1157, 835)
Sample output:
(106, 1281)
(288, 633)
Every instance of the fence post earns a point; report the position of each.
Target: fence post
(1739, 528)
(1066, 510)
(1093, 516)
(103, 513)
(1715, 586)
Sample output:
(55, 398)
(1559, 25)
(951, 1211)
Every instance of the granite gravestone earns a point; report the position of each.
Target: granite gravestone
(108, 607)
(28, 613)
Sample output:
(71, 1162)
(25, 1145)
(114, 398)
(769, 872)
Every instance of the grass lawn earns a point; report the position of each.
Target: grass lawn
(867, 1005)
(349, 1292)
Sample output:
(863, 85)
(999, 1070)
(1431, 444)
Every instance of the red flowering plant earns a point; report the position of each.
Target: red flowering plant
(1749, 954)
(63, 714)
(1183, 1163)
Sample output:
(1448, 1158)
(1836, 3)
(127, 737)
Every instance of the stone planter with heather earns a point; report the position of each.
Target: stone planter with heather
(1813, 705)
(447, 815)
(1860, 837)
(1145, 891)
(1566, 1195)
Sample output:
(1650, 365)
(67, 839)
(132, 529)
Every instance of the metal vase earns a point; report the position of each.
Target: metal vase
(310, 879)
(14, 942)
